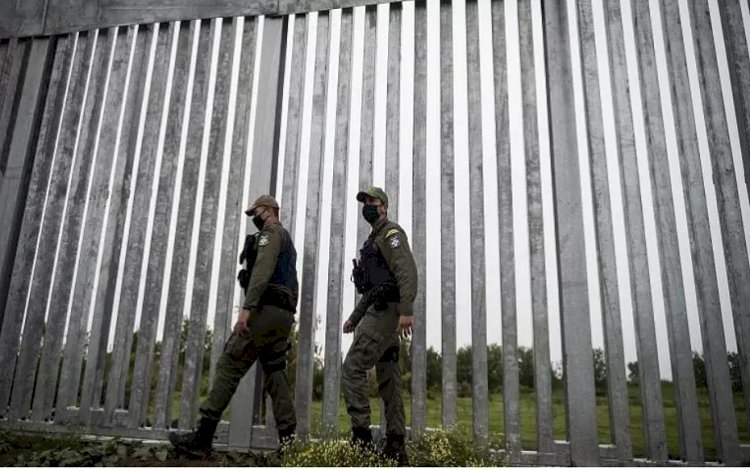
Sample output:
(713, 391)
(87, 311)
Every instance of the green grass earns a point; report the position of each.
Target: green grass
(528, 418)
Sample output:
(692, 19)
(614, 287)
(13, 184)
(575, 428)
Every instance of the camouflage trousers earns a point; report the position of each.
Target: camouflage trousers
(266, 341)
(376, 344)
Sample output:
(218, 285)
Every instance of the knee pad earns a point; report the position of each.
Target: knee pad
(390, 355)
(273, 361)
(346, 368)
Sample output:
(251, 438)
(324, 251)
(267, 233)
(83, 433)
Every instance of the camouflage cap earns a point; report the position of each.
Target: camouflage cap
(373, 191)
(264, 200)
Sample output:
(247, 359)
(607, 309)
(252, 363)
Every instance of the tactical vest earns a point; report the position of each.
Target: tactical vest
(285, 274)
(375, 274)
(283, 289)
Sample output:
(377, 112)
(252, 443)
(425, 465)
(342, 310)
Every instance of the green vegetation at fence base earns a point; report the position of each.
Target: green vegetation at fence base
(528, 418)
(440, 448)
(444, 448)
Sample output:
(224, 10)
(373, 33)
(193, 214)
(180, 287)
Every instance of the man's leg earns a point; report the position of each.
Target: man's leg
(362, 356)
(271, 332)
(276, 385)
(390, 387)
(234, 362)
(238, 356)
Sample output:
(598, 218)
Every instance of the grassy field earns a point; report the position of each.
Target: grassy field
(528, 418)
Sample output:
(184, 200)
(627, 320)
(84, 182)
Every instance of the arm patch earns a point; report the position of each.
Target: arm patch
(393, 237)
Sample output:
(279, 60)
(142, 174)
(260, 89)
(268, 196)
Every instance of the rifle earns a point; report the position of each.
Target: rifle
(249, 254)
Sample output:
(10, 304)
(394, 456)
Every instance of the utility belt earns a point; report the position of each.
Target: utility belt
(279, 296)
(380, 295)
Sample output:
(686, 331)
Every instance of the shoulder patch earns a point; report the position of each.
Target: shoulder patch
(263, 240)
(392, 231)
(394, 241)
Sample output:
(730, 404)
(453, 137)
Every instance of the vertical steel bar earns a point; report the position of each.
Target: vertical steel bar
(11, 77)
(419, 145)
(511, 391)
(534, 188)
(447, 235)
(652, 110)
(393, 118)
(574, 308)
(480, 388)
(734, 20)
(367, 113)
(337, 265)
(307, 311)
(294, 125)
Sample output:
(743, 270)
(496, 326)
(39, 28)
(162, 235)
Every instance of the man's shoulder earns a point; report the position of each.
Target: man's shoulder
(269, 233)
(276, 228)
(392, 228)
(393, 235)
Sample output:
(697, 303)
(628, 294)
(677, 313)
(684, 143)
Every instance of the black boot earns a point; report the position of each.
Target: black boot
(362, 437)
(196, 444)
(395, 449)
(286, 437)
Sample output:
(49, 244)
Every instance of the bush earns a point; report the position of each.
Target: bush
(448, 448)
(331, 453)
(440, 448)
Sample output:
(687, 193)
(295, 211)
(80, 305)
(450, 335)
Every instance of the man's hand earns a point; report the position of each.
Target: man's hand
(241, 326)
(404, 326)
(348, 326)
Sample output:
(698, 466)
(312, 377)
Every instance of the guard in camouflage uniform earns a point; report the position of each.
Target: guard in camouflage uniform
(262, 330)
(386, 276)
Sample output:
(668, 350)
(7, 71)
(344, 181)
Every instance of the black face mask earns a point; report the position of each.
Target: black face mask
(259, 222)
(370, 213)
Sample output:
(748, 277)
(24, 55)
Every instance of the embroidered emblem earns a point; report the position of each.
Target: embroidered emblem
(392, 231)
(395, 241)
(263, 241)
